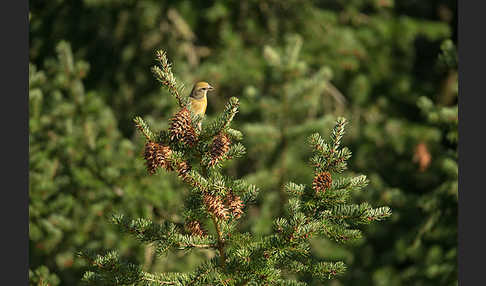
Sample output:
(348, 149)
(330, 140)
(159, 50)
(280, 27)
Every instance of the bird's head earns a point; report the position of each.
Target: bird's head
(200, 89)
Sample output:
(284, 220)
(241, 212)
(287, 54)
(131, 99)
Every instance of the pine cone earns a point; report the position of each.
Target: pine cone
(234, 204)
(221, 145)
(181, 128)
(322, 182)
(156, 156)
(215, 206)
(182, 169)
(195, 228)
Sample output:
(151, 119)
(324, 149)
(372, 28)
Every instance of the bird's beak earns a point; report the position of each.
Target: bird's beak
(210, 87)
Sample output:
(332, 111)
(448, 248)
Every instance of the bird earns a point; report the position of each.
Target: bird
(198, 98)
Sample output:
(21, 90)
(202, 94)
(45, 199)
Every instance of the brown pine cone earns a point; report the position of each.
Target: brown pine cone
(234, 204)
(195, 228)
(215, 206)
(155, 156)
(221, 145)
(181, 128)
(322, 182)
(183, 169)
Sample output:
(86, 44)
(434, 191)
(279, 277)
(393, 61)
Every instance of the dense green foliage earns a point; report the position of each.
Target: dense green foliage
(295, 66)
(420, 247)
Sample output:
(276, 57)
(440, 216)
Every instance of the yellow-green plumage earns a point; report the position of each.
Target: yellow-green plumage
(198, 96)
(198, 106)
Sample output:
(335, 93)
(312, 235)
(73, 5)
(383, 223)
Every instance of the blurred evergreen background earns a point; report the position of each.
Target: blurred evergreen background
(389, 66)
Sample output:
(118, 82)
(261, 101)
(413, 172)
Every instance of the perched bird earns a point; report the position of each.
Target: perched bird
(198, 97)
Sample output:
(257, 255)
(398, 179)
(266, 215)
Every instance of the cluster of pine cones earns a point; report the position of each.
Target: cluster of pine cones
(158, 156)
(232, 204)
(220, 209)
(182, 130)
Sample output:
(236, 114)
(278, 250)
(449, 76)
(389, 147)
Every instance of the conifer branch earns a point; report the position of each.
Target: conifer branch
(338, 132)
(220, 244)
(294, 190)
(166, 77)
(221, 123)
(143, 127)
(165, 235)
(235, 135)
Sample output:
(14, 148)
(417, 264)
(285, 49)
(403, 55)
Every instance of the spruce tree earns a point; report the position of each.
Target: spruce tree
(215, 203)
